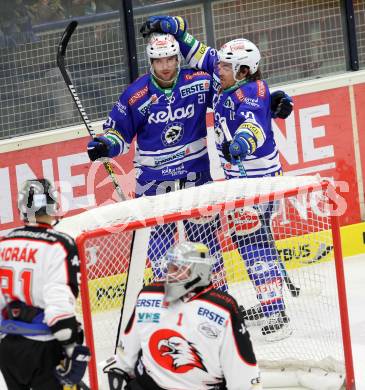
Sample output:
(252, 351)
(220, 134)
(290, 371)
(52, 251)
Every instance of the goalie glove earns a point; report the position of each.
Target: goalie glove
(281, 105)
(164, 24)
(117, 378)
(72, 368)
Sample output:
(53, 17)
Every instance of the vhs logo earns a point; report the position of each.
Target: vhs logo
(149, 317)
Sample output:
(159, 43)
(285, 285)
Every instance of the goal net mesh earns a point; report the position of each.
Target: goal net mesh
(272, 244)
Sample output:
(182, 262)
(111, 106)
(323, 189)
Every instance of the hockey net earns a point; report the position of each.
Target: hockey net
(301, 232)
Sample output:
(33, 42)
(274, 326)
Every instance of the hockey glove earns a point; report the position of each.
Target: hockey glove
(239, 147)
(116, 376)
(225, 151)
(99, 147)
(164, 24)
(73, 368)
(281, 105)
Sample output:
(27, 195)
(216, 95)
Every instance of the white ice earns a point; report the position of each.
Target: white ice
(355, 286)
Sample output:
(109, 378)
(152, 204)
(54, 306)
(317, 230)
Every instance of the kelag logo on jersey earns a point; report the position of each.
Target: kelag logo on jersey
(193, 88)
(172, 133)
(171, 116)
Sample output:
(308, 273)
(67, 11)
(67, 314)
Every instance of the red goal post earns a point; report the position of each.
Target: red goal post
(299, 216)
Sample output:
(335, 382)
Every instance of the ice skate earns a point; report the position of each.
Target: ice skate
(277, 327)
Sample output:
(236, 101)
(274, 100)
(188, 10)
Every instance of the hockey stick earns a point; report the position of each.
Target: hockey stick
(294, 291)
(61, 53)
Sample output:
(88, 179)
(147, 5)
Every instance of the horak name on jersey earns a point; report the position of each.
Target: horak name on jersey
(18, 254)
(193, 88)
(170, 116)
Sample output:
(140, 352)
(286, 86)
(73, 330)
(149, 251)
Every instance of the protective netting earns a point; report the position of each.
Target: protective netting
(273, 252)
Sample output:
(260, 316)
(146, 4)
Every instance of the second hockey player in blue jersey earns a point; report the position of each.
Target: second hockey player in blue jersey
(166, 111)
(242, 99)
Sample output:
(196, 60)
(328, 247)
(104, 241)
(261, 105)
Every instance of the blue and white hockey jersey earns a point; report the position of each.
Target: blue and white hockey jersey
(170, 125)
(246, 107)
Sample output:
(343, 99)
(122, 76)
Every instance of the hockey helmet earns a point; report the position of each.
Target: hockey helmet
(188, 265)
(240, 52)
(36, 198)
(162, 45)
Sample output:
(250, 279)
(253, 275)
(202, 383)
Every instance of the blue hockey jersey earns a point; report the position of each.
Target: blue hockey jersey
(246, 107)
(169, 125)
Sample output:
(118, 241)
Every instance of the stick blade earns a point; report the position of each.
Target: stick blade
(71, 27)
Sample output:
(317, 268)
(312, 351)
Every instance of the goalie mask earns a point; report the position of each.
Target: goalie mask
(36, 198)
(240, 52)
(189, 265)
(161, 46)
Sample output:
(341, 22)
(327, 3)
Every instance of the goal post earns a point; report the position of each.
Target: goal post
(254, 228)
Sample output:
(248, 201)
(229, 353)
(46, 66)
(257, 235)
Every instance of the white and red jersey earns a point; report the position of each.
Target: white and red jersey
(197, 343)
(40, 267)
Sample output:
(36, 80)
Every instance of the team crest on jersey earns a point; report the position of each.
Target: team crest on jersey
(172, 133)
(229, 103)
(173, 352)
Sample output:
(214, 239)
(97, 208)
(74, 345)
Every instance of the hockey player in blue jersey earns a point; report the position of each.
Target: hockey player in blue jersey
(166, 111)
(243, 99)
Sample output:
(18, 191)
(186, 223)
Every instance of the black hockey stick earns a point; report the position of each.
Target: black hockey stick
(61, 53)
(294, 291)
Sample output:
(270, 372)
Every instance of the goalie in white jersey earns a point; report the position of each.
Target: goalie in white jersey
(185, 334)
(39, 271)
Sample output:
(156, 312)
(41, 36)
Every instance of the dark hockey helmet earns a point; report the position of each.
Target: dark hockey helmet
(36, 198)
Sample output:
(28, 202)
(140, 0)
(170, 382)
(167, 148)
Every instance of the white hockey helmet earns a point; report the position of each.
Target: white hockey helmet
(189, 265)
(162, 45)
(240, 52)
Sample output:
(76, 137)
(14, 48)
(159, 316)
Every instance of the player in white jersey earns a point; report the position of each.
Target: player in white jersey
(41, 346)
(185, 334)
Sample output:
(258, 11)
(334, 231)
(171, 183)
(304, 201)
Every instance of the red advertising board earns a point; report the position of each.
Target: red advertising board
(316, 138)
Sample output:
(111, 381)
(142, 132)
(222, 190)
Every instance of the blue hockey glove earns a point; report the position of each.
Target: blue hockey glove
(164, 24)
(99, 147)
(239, 147)
(73, 368)
(281, 105)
